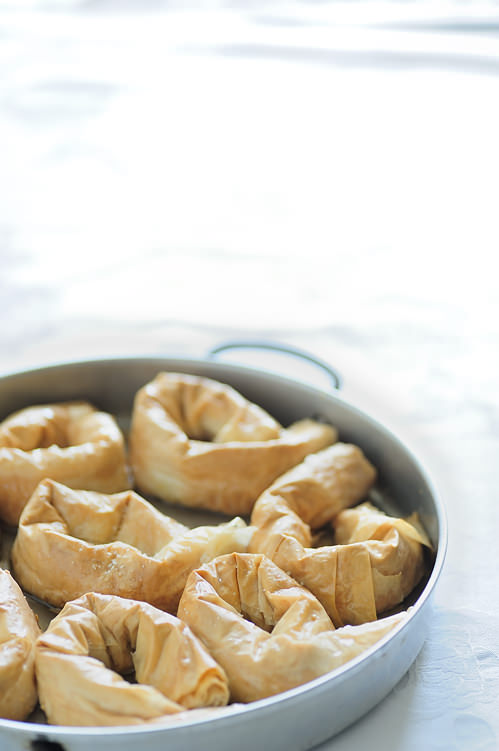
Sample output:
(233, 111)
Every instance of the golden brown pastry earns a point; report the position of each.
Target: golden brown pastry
(378, 559)
(96, 637)
(18, 633)
(310, 495)
(266, 631)
(394, 553)
(197, 442)
(70, 442)
(70, 542)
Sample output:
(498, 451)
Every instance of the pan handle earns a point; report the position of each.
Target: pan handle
(274, 347)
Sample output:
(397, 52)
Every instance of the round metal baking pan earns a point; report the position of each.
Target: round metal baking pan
(308, 715)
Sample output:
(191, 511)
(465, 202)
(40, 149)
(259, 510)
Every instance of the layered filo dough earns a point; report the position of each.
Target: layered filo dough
(377, 559)
(198, 442)
(18, 633)
(159, 620)
(97, 639)
(71, 542)
(266, 631)
(71, 442)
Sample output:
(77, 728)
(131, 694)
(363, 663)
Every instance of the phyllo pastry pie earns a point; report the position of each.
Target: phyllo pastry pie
(18, 633)
(97, 639)
(70, 542)
(71, 442)
(377, 561)
(198, 442)
(266, 631)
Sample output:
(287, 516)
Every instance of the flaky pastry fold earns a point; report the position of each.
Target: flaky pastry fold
(197, 442)
(392, 551)
(96, 638)
(378, 559)
(71, 442)
(310, 495)
(266, 631)
(18, 632)
(70, 542)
